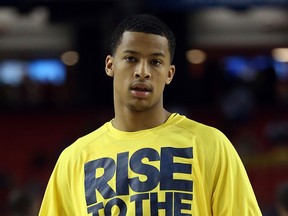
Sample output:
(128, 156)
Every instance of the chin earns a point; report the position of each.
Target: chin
(139, 107)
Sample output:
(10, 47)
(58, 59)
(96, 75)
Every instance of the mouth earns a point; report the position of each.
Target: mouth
(140, 89)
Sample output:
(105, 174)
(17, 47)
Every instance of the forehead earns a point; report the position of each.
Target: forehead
(144, 42)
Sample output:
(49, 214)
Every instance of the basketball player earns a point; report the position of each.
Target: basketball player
(146, 160)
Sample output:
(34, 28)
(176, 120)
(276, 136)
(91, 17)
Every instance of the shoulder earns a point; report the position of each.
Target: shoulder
(200, 130)
(206, 139)
(72, 152)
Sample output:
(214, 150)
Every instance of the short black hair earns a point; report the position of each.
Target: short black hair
(144, 23)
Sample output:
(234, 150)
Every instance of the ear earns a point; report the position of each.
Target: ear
(170, 74)
(109, 66)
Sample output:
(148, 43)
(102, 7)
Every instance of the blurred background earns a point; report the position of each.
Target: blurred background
(232, 73)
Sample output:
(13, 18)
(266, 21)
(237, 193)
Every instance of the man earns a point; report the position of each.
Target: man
(148, 161)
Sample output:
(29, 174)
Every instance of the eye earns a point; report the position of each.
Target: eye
(130, 59)
(156, 62)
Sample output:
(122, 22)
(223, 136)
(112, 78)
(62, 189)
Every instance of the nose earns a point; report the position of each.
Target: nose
(142, 71)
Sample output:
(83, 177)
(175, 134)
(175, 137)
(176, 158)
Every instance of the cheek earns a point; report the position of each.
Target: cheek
(160, 85)
(120, 83)
(162, 80)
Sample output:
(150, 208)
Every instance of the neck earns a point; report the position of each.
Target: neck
(130, 121)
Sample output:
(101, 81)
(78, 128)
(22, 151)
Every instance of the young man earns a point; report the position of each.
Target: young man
(148, 161)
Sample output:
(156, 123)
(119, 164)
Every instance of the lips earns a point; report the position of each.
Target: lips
(141, 86)
(140, 89)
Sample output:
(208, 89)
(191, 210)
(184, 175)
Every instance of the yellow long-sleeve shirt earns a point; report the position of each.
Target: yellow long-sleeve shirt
(179, 168)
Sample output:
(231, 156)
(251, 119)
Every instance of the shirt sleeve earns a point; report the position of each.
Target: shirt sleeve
(232, 192)
(57, 198)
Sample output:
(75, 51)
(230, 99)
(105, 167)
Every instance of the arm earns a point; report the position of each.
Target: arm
(57, 199)
(232, 191)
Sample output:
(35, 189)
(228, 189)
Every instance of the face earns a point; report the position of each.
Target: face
(140, 69)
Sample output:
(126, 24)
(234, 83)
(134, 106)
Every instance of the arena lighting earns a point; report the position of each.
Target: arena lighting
(12, 72)
(280, 54)
(47, 71)
(70, 58)
(196, 56)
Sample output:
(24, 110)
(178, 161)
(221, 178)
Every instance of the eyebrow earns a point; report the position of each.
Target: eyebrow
(135, 53)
